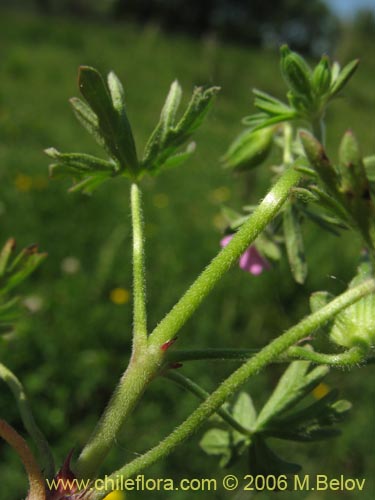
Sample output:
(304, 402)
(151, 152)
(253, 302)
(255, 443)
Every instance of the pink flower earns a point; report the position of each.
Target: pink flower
(251, 260)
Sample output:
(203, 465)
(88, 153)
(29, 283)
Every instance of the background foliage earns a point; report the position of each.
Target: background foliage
(74, 341)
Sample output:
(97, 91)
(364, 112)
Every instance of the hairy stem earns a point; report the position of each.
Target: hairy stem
(194, 296)
(139, 291)
(146, 362)
(214, 354)
(269, 353)
(350, 357)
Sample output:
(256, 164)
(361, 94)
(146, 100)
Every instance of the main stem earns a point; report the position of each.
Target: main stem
(146, 362)
(237, 379)
(142, 366)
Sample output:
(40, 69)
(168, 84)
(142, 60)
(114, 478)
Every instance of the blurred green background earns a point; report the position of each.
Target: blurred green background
(74, 341)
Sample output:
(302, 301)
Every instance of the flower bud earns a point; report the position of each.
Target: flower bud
(321, 79)
(351, 167)
(318, 159)
(295, 71)
(249, 150)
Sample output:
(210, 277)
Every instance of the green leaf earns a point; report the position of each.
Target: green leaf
(196, 111)
(88, 119)
(314, 422)
(28, 261)
(166, 123)
(83, 163)
(343, 77)
(112, 120)
(292, 387)
(215, 442)
(5, 254)
(244, 411)
(179, 158)
(89, 184)
(294, 243)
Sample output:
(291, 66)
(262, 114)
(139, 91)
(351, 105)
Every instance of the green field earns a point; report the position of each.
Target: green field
(72, 349)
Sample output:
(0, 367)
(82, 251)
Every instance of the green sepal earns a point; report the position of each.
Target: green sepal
(259, 121)
(319, 160)
(295, 72)
(294, 243)
(329, 203)
(269, 104)
(294, 384)
(369, 164)
(107, 103)
(353, 175)
(249, 149)
(322, 77)
(343, 76)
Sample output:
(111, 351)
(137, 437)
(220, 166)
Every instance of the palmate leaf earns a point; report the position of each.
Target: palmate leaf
(107, 102)
(103, 114)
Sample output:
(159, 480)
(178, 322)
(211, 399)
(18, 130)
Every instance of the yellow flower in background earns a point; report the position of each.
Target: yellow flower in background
(119, 296)
(115, 495)
(321, 390)
(23, 183)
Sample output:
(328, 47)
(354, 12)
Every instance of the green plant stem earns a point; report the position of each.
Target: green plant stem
(194, 296)
(350, 357)
(141, 370)
(139, 291)
(269, 353)
(147, 362)
(198, 391)
(28, 420)
(214, 354)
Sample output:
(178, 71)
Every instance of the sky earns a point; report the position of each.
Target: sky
(346, 8)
